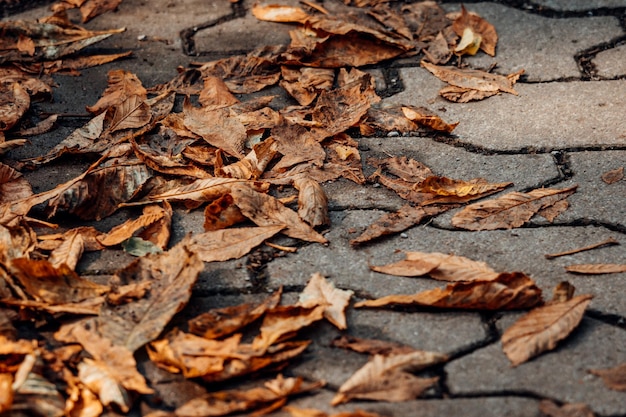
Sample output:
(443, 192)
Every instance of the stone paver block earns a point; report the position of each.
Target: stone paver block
(575, 5)
(611, 63)
(509, 406)
(547, 116)
(561, 374)
(595, 200)
(543, 47)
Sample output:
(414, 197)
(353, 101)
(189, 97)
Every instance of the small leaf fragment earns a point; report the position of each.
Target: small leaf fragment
(589, 269)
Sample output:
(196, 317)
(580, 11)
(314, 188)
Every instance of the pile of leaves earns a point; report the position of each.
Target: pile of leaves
(224, 148)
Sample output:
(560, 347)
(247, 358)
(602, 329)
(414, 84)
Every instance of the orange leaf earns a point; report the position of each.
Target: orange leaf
(542, 328)
(221, 245)
(122, 85)
(284, 321)
(321, 292)
(424, 117)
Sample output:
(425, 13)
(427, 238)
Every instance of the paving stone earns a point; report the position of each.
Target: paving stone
(499, 406)
(595, 200)
(543, 47)
(561, 374)
(575, 5)
(611, 63)
(549, 115)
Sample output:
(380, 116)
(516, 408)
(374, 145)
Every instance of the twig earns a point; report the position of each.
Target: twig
(609, 242)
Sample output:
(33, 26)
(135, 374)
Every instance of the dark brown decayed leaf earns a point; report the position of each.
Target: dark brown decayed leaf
(542, 328)
(596, 268)
(220, 322)
(508, 291)
(614, 378)
(509, 211)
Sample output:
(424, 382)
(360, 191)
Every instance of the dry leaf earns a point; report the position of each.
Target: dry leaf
(589, 269)
(614, 378)
(283, 321)
(201, 190)
(478, 26)
(509, 291)
(254, 163)
(278, 13)
(371, 346)
(608, 242)
(406, 169)
(509, 211)
(215, 94)
(265, 210)
(131, 113)
(388, 378)
(222, 213)
(321, 292)
(542, 328)
(68, 252)
(447, 190)
(613, 176)
(13, 186)
(221, 245)
(425, 117)
(14, 101)
(439, 266)
(305, 83)
(122, 86)
(312, 202)
(222, 322)
(550, 409)
(153, 225)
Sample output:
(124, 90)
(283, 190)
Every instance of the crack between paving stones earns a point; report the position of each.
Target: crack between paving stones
(607, 318)
(617, 228)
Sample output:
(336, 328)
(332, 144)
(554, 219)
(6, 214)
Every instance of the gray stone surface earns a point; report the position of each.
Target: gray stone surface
(549, 115)
(611, 63)
(543, 47)
(561, 374)
(576, 5)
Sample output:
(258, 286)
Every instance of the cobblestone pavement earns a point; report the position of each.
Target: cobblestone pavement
(567, 126)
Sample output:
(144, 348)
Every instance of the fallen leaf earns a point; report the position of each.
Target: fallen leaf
(509, 211)
(265, 210)
(371, 346)
(253, 164)
(425, 117)
(13, 186)
(310, 412)
(447, 190)
(233, 243)
(469, 43)
(221, 403)
(122, 86)
(305, 83)
(215, 94)
(389, 378)
(439, 266)
(509, 291)
(201, 190)
(40, 128)
(69, 252)
(221, 322)
(479, 26)
(278, 13)
(153, 224)
(14, 101)
(550, 409)
(610, 241)
(222, 213)
(589, 269)
(391, 19)
(406, 169)
(131, 113)
(321, 292)
(438, 51)
(284, 321)
(613, 176)
(312, 202)
(614, 378)
(542, 328)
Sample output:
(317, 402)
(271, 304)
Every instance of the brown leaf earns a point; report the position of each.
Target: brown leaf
(509, 211)
(608, 242)
(222, 213)
(588, 269)
(371, 346)
(474, 79)
(68, 252)
(447, 190)
(215, 94)
(550, 409)
(387, 120)
(542, 328)
(391, 19)
(221, 322)
(297, 145)
(51, 41)
(122, 86)
(614, 378)
(254, 163)
(278, 13)
(172, 275)
(406, 169)
(40, 128)
(101, 191)
(613, 176)
(225, 244)
(153, 224)
(388, 378)
(425, 117)
(201, 190)
(509, 291)
(321, 292)
(13, 186)
(305, 83)
(396, 222)
(479, 26)
(438, 51)
(131, 113)
(14, 101)
(464, 95)
(54, 285)
(283, 321)
(439, 266)
(312, 202)
(265, 210)
(94, 8)
(221, 403)
(88, 234)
